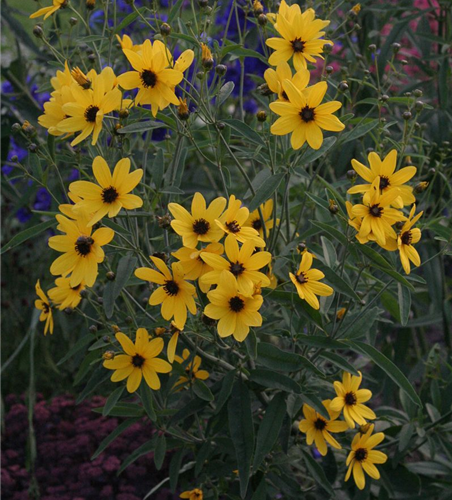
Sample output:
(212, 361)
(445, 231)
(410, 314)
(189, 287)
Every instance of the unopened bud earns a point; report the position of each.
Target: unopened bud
(182, 110)
(399, 225)
(421, 187)
(333, 208)
(340, 313)
(129, 320)
(262, 20)
(264, 90)
(115, 328)
(90, 4)
(301, 247)
(327, 48)
(384, 98)
(351, 174)
(221, 125)
(107, 355)
(419, 106)
(258, 8)
(406, 115)
(110, 276)
(208, 321)
(33, 148)
(123, 113)
(165, 29)
(418, 93)
(261, 116)
(203, 3)
(83, 293)
(73, 21)
(343, 86)
(161, 255)
(221, 69)
(364, 428)
(329, 70)
(403, 62)
(159, 330)
(206, 57)
(15, 128)
(396, 47)
(93, 329)
(164, 221)
(38, 32)
(372, 47)
(14, 158)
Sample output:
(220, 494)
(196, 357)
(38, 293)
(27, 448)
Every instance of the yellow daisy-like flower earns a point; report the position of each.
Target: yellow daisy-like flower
(301, 38)
(140, 360)
(43, 305)
(53, 111)
(48, 11)
(175, 294)
(233, 222)
(254, 219)
(81, 248)
(304, 116)
(235, 312)
(377, 216)
(112, 194)
(87, 112)
(243, 264)
(275, 79)
(152, 76)
(350, 399)
(192, 369)
(363, 457)
(318, 429)
(127, 43)
(64, 295)
(306, 280)
(355, 223)
(389, 180)
(200, 224)
(195, 494)
(193, 264)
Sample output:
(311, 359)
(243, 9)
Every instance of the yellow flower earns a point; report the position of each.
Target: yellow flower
(376, 215)
(243, 264)
(192, 369)
(112, 194)
(206, 56)
(152, 76)
(53, 111)
(350, 399)
(356, 8)
(43, 305)
(193, 264)
(304, 116)
(306, 280)
(355, 222)
(273, 279)
(140, 360)
(363, 457)
(389, 180)
(301, 38)
(65, 295)
(175, 294)
(127, 43)
(275, 79)
(80, 77)
(195, 494)
(87, 112)
(48, 11)
(235, 312)
(233, 222)
(254, 219)
(82, 249)
(200, 224)
(318, 429)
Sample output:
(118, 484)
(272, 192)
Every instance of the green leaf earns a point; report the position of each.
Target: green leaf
(226, 389)
(27, 234)
(269, 429)
(113, 289)
(245, 131)
(141, 127)
(123, 410)
(113, 435)
(242, 431)
(274, 358)
(97, 378)
(322, 342)
(158, 168)
(332, 231)
(357, 325)
(251, 345)
(302, 306)
(225, 92)
(313, 154)
(129, 19)
(273, 380)
(388, 367)
(175, 11)
(268, 187)
(314, 402)
(202, 391)
(317, 472)
(175, 467)
(404, 297)
(160, 451)
(362, 129)
(78, 346)
(147, 400)
(339, 361)
(112, 400)
(144, 449)
(201, 457)
(339, 284)
(261, 491)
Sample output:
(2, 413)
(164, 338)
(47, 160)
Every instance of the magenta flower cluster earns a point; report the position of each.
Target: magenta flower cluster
(67, 435)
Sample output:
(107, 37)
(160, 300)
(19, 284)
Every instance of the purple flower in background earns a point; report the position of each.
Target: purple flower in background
(23, 215)
(14, 150)
(43, 200)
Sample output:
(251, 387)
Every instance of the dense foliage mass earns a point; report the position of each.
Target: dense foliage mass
(236, 216)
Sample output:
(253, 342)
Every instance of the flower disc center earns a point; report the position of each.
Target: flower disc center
(148, 78)
(109, 195)
(236, 304)
(83, 245)
(201, 227)
(91, 113)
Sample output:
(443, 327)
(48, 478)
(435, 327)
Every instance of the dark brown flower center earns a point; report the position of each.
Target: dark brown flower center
(109, 195)
(384, 182)
(350, 399)
(361, 454)
(233, 226)
(148, 78)
(201, 227)
(236, 304)
(407, 238)
(76, 288)
(298, 45)
(236, 268)
(138, 361)
(171, 287)
(301, 278)
(45, 307)
(83, 245)
(256, 224)
(376, 211)
(320, 424)
(307, 114)
(91, 113)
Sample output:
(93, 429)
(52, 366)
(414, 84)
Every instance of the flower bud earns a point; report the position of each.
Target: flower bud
(206, 57)
(123, 113)
(301, 247)
(421, 187)
(364, 428)
(221, 69)
(80, 77)
(399, 225)
(115, 328)
(264, 90)
(200, 75)
(129, 320)
(15, 128)
(327, 48)
(372, 47)
(165, 29)
(38, 32)
(110, 276)
(68, 310)
(73, 21)
(93, 329)
(92, 58)
(161, 256)
(406, 115)
(164, 222)
(357, 27)
(418, 93)
(396, 47)
(220, 125)
(208, 321)
(262, 19)
(419, 106)
(343, 86)
(261, 116)
(340, 313)
(258, 8)
(14, 158)
(182, 110)
(159, 330)
(33, 148)
(83, 293)
(108, 355)
(203, 3)
(100, 300)
(333, 208)
(432, 171)
(384, 98)
(90, 4)
(403, 62)
(329, 70)
(351, 174)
